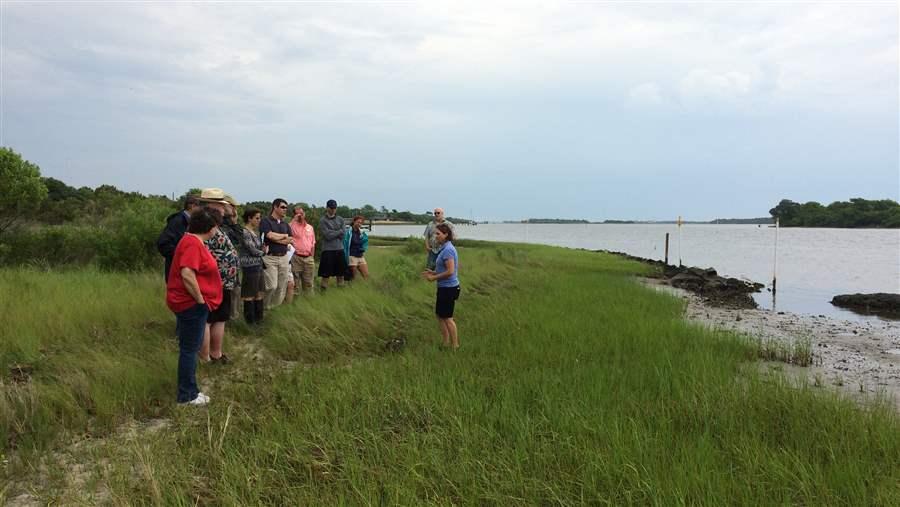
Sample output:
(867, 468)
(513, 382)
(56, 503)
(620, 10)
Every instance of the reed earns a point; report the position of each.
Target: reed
(574, 385)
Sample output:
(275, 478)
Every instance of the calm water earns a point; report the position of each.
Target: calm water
(813, 264)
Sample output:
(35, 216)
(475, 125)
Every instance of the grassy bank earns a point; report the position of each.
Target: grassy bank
(573, 385)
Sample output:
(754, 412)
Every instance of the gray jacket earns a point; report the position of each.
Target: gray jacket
(332, 231)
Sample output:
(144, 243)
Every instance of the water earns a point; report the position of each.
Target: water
(814, 265)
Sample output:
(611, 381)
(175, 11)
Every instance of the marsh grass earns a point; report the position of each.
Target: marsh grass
(797, 352)
(574, 385)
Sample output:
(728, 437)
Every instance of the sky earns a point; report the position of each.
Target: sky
(494, 111)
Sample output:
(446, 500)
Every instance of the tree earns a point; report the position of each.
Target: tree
(21, 187)
(856, 212)
(785, 211)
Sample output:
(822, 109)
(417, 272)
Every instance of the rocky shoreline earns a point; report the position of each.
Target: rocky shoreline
(860, 359)
(704, 282)
(879, 303)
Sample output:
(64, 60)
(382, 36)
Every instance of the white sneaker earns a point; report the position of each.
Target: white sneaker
(200, 401)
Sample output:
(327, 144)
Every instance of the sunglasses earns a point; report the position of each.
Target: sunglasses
(283, 207)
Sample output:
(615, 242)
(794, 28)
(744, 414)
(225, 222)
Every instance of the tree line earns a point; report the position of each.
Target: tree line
(855, 213)
(46, 222)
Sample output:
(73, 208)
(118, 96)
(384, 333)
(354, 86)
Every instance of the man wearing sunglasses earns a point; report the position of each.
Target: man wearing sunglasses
(277, 235)
(432, 245)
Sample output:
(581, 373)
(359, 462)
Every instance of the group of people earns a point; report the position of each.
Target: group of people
(215, 267)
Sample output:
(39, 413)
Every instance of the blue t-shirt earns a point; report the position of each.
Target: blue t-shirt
(448, 252)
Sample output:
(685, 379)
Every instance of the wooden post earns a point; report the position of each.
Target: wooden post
(679, 241)
(667, 249)
(775, 260)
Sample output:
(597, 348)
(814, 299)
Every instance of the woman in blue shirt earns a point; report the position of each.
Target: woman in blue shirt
(445, 273)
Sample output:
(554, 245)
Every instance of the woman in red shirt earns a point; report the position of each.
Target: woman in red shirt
(193, 290)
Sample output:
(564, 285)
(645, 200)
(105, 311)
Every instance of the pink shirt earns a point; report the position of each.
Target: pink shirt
(304, 239)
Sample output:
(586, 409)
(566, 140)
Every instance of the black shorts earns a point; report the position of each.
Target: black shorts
(223, 312)
(446, 301)
(332, 264)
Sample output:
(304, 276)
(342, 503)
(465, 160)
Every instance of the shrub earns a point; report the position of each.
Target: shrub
(414, 246)
(52, 246)
(400, 270)
(131, 242)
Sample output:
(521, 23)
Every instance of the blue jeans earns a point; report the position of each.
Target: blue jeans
(191, 325)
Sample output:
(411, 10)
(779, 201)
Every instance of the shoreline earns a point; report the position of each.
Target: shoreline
(856, 358)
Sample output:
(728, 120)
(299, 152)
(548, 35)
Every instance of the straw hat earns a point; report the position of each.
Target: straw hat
(213, 195)
(230, 200)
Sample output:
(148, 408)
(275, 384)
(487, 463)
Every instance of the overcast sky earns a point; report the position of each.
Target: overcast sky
(504, 111)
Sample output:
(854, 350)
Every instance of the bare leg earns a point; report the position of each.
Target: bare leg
(289, 294)
(451, 328)
(445, 332)
(204, 349)
(353, 271)
(323, 282)
(216, 335)
(364, 270)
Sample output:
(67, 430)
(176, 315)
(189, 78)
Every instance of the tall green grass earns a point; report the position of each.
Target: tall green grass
(574, 385)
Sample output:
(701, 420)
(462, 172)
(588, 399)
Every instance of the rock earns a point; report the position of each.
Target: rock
(20, 373)
(395, 345)
(705, 282)
(880, 303)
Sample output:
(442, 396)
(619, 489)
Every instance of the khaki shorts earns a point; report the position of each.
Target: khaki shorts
(357, 261)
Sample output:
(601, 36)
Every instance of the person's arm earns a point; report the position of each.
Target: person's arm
(190, 283)
(265, 227)
(275, 237)
(169, 237)
(329, 233)
(427, 237)
(345, 242)
(229, 245)
(278, 237)
(289, 238)
(431, 276)
(250, 244)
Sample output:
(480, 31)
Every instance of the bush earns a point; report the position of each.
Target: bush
(126, 242)
(51, 246)
(414, 246)
(400, 271)
(131, 242)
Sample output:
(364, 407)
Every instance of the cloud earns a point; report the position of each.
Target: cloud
(703, 84)
(401, 89)
(645, 94)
